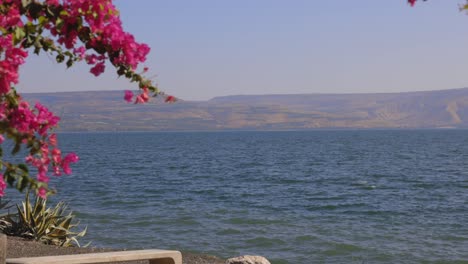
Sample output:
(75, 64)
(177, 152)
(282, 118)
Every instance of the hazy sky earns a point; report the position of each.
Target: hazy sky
(206, 48)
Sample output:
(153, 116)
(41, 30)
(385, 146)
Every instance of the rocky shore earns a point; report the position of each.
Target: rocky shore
(18, 247)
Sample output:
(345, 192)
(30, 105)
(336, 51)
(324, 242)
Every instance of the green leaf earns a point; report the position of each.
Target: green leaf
(45, 44)
(64, 13)
(35, 10)
(37, 50)
(84, 34)
(19, 34)
(51, 11)
(10, 179)
(25, 3)
(30, 28)
(42, 20)
(16, 149)
(121, 71)
(38, 43)
(23, 167)
(59, 23)
(29, 41)
(60, 58)
(69, 63)
(22, 183)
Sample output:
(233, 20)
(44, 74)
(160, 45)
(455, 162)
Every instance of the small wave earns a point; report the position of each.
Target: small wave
(342, 249)
(247, 221)
(180, 221)
(364, 185)
(229, 231)
(141, 223)
(186, 221)
(291, 181)
(305, 238)
(334, 206)
(265, 242)
(425, 185)
(455, 238)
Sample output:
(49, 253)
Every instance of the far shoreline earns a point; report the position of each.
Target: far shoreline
(350, 129)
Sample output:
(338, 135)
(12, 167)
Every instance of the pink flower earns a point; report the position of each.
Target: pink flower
(139, 100)
(143, 97)
(66, 168)
(170, 99)
(29, 159)
(53, 140)
(128, 96)
(72, 157)
(98, 69)
(1, 139)
(57, 171)
(4, 86)
(42, 174)
(91, 59)
(42, 192)
(412, 2)
(2, 185)
(56, 155)
(80, 52)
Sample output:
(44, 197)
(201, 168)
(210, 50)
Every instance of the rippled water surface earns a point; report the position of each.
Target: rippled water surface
(294, 197)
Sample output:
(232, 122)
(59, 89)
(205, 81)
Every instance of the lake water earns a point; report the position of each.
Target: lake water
(294, 197)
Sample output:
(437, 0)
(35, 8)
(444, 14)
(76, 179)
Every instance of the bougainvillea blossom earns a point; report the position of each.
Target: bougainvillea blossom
(128, 96)
(2, 185)
(71, 31)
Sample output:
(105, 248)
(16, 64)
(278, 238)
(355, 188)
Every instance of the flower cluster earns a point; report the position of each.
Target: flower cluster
(13, 57)
(94, 28)
(71, 30)
(31, 126)
(30, 121)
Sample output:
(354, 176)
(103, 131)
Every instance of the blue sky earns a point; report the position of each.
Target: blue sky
(207, 48)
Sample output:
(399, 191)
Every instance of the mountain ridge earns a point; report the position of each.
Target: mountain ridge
(107, 111)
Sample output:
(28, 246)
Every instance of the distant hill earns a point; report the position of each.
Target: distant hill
(107, 111)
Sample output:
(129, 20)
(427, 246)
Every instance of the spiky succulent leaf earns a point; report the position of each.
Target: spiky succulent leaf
(51, 225)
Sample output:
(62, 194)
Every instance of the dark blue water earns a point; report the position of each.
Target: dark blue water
(294, 197)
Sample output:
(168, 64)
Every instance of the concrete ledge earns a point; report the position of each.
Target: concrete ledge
(155, 256)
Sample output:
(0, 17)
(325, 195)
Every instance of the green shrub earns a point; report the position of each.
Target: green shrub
(52, 226)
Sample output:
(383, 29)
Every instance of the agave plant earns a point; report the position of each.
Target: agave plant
(51, 226)
(5, 218)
